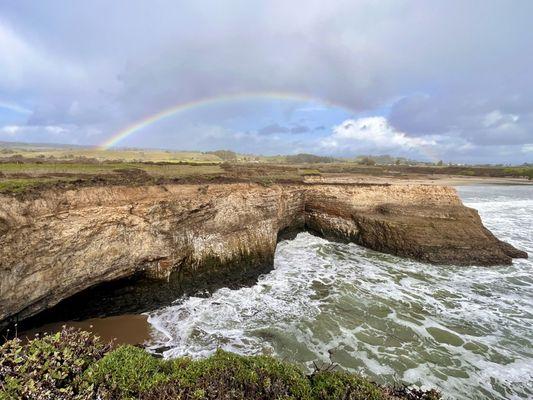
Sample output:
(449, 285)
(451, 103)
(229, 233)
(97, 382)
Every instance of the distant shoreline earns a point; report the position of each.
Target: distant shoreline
(442, 180)
(476, 180)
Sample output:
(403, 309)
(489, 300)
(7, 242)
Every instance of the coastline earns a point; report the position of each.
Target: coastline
(109, 321)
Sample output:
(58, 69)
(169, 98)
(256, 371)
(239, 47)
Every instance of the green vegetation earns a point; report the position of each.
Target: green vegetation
(308, 159)
(22, 177)
(50, 367)
(75, 365)
(526, 172)
(28, 169)
(64, 152)
(21, 185)
(224, 155)
(309, 172)
(61, 168)
(367, 161)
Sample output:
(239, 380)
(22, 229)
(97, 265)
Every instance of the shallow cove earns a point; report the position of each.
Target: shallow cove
(109, 308)
(465, 330)
(112, 307)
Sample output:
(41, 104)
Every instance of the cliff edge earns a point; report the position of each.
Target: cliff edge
(63, 242)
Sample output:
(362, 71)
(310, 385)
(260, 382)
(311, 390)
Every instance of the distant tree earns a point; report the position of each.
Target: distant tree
(367, 161)
(440, 163)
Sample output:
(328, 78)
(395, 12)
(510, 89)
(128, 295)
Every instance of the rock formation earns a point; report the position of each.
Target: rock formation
(62, 242)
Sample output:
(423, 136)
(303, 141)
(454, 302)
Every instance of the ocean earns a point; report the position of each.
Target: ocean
(466, 331)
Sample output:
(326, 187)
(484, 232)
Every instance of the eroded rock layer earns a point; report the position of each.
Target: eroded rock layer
(66, 241)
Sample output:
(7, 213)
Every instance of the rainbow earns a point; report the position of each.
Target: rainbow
(187, 106)
(207, 101)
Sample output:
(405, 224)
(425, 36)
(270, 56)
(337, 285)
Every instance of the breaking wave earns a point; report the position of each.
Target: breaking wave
(464, 330)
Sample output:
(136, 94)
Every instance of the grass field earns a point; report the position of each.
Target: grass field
(37, 169)
(26, 168)
(110, 155)
(20, 177)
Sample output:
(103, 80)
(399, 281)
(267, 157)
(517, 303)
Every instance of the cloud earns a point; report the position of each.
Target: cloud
(14, 130)
(273, 128)
(528, 148)
(462, 77)
(67, 134)
(25, 65)
(300, 129)
(497, 119)
(371, 133)
(494, 121)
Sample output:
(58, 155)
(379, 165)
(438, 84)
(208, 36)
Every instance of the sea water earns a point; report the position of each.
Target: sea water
(466, 331)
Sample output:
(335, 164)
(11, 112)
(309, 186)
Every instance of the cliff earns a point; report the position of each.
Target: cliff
(62, 242)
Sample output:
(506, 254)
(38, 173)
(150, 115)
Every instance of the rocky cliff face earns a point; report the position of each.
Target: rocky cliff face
(65, 241)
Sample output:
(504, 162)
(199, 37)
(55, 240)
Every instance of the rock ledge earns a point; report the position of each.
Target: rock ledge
(66, 241)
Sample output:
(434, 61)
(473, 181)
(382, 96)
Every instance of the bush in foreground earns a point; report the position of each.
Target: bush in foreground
(75, 365)
(50, 367)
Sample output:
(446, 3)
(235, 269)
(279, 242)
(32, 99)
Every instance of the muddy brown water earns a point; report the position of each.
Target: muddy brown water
(115, 311)
(120, 329)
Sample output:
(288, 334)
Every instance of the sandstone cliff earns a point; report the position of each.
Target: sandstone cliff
(62, 242)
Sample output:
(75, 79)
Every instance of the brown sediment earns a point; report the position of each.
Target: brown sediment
(121, 329)
(65, 241)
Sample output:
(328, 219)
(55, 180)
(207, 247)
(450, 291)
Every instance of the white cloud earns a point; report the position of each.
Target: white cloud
(527, 148)
(14, 130)
(47, 133)
(497, 118)
(372, 132)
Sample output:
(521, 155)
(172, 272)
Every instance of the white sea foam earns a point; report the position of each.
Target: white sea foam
(464, 330)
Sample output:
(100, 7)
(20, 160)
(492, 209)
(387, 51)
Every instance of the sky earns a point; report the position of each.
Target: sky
(429, 80)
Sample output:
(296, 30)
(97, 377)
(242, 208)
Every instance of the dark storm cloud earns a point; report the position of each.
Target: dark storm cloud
(462, 70)
(481, 121)
(300, 129)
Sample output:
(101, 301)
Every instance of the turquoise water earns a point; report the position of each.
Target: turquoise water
(464, 330)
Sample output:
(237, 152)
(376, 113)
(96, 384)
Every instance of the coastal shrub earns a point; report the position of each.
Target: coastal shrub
(221, 376)
(331, 385)
(128, 371)
(233, 377)
(49, 367)
(520, 172)
(72, 364)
